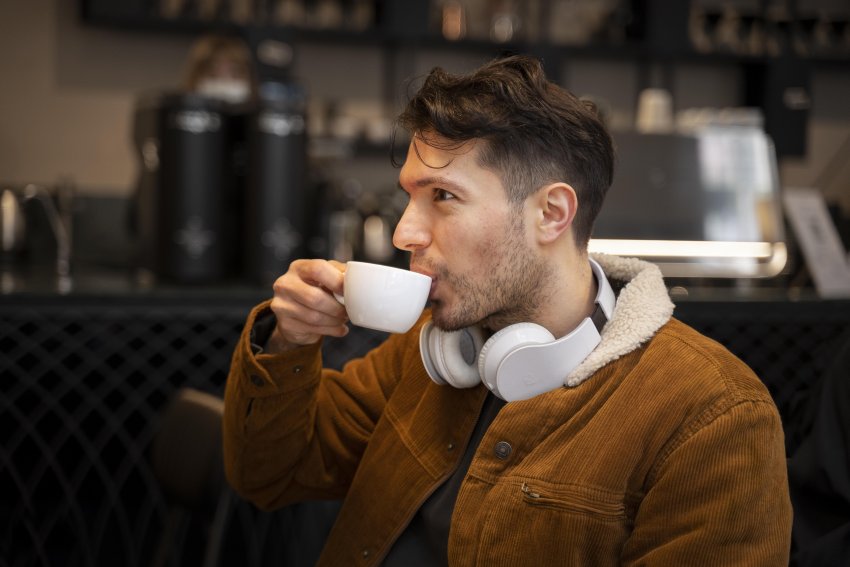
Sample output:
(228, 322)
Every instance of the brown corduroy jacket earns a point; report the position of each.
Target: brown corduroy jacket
(662, 449)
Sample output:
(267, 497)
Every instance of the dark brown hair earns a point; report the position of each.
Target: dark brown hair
(535, 131)
(209, 49)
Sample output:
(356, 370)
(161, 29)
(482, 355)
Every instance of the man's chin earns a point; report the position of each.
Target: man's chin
(445, 321)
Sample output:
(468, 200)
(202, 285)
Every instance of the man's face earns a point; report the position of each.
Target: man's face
(462, 231)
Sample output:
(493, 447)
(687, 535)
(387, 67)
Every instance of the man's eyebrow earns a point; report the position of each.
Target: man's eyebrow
(436, 181)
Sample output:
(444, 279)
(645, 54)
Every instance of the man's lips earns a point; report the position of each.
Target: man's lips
(433, 289)
(430, 275)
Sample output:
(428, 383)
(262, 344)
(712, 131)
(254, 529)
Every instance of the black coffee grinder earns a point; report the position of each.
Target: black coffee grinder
(276, 202)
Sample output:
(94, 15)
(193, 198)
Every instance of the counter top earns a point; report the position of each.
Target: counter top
(115, 284)
(125, 284)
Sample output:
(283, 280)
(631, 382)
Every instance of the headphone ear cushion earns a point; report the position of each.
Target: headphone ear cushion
(503, 343)
(445, 355)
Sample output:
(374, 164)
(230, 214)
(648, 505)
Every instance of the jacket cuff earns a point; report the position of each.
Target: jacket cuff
(262, 330)
(261, 375)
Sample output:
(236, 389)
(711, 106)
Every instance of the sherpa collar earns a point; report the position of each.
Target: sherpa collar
(643, 306)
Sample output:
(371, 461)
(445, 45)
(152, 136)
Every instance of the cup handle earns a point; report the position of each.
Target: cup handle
(339, 298)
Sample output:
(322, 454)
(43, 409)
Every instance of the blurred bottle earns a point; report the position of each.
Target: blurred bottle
(655, 112)
(289, 12)
(280, 201)
(505, 21)
(453, 20)
(345, 225)
(328, 14)
(277, 203)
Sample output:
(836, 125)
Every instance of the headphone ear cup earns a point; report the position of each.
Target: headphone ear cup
(502, 344)
(443, 354)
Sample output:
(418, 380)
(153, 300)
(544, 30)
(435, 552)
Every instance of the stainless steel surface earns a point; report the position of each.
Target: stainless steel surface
(12, 224)
(60, 222)
(703, 205)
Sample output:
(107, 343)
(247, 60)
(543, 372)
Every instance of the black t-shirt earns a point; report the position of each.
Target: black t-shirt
(425, 541)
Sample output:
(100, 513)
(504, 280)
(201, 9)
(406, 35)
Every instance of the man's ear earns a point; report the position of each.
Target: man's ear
(557, 204)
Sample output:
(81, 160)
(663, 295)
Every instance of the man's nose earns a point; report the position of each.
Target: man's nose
(411, 232)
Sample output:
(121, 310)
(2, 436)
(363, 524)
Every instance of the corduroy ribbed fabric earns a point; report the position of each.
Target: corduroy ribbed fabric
(669, 452)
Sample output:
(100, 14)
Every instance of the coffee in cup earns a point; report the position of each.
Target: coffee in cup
(382, 297)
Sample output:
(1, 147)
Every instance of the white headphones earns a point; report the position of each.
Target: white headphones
(520, 361)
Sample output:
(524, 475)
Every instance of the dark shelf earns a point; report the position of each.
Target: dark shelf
(178, 26)
(651, 32)
(394, 27)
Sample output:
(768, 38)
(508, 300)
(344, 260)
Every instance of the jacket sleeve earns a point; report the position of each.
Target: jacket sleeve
(293, 431)
(720, 497)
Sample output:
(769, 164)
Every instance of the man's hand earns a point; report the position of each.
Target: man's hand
(304, 304)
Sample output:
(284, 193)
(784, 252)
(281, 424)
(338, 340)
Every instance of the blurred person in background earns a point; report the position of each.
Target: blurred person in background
(221, 66)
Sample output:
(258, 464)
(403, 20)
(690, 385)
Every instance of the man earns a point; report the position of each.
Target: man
(658, 448)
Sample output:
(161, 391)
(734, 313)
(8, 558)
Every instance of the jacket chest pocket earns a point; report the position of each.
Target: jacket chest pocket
(603, 506)
(530, 522)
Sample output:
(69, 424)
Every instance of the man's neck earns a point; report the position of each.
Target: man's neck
(571, 298)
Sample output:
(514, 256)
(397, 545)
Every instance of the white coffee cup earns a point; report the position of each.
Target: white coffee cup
(382, 297)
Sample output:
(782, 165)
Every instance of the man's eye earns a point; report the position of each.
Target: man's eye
(442, 195)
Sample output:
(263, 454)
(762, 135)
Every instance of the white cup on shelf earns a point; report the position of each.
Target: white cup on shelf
(655, 112)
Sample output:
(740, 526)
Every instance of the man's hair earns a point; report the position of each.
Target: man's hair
(535, 132)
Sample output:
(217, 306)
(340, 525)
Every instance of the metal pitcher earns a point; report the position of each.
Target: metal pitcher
(12, 223)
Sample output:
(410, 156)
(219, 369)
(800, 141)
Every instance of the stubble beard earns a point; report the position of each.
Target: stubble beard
(513, 292)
